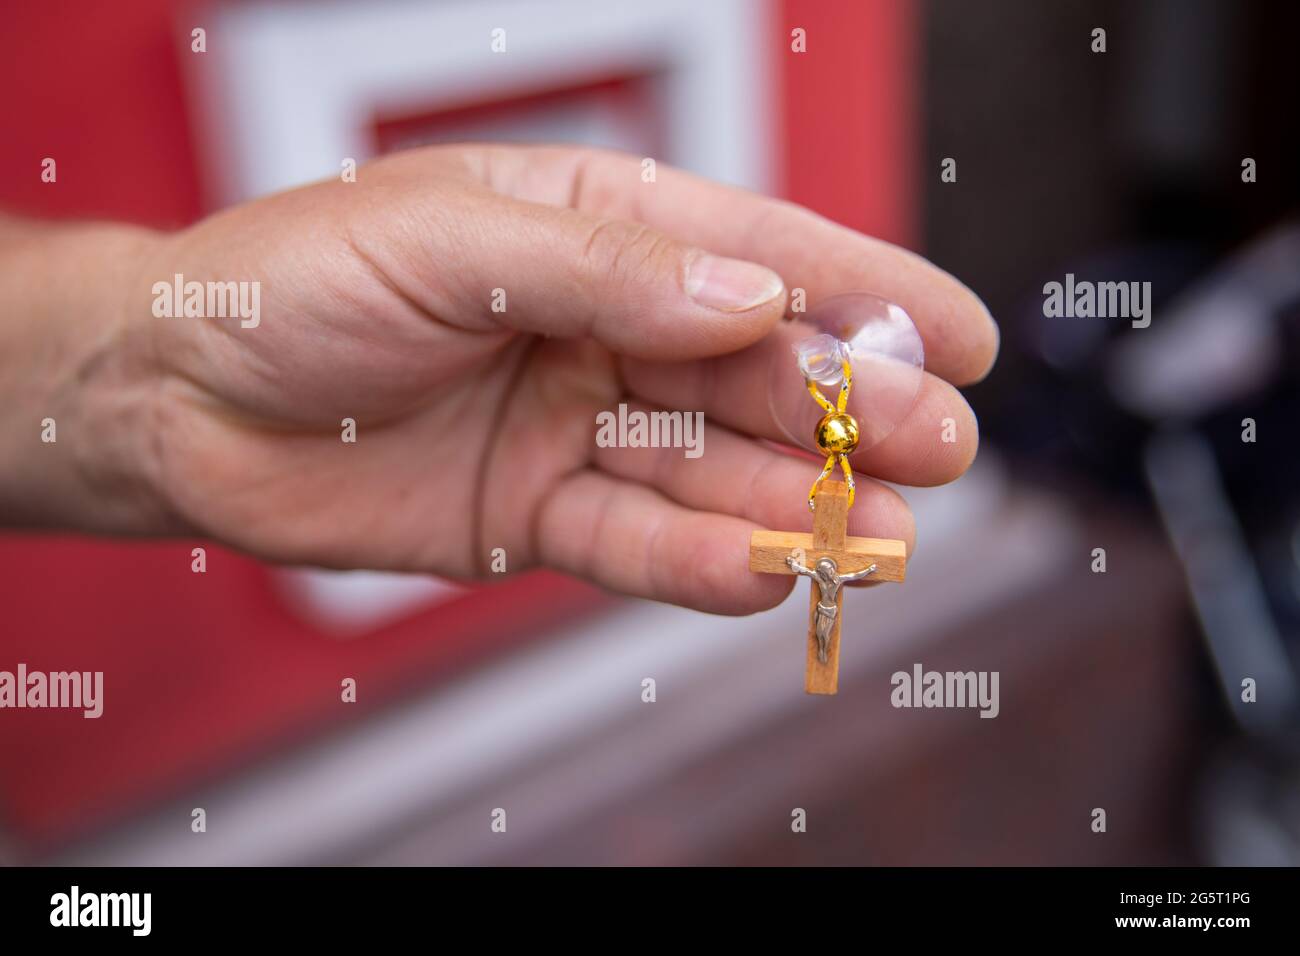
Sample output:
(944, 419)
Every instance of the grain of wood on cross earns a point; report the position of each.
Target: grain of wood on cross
(769, 551)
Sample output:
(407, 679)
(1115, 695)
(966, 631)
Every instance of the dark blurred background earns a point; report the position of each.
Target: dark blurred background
(1120, 690)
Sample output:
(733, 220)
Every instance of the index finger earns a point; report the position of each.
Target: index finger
(807, 250)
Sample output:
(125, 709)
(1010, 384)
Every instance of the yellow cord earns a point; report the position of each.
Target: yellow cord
(840, 453)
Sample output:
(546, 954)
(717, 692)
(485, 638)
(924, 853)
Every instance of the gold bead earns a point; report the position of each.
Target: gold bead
(837, 434)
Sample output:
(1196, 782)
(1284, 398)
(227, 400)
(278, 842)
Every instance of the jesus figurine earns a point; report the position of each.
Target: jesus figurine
(828, 580)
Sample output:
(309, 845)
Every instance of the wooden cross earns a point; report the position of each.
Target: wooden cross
(768, 551)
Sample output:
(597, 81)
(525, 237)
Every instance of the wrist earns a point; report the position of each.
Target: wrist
(80, 381)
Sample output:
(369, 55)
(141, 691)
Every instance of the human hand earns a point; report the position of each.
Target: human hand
(474, 428)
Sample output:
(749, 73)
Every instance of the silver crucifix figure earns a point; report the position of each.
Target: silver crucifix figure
(828, 579)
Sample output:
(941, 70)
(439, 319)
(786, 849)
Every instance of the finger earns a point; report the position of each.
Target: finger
(935, 442)
(557, 272)
(807, 250)
(740, 476)
(632, 539)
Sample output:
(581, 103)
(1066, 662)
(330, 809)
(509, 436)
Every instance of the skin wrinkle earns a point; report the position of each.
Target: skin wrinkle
(578, 179)
(478, 510)
(658, 248)
(569, 167)
(614, 267)
(105, 360)
(756, 468)
(715, 578)
(663, 462)
(198, 341)
(637, 239)
(546, 499)
(158, 443)
(452, 290)
(588, 254)
(598, 527)
(651, 551)
(532, 228)
(381, 275)
(158, 465)
(421, 224)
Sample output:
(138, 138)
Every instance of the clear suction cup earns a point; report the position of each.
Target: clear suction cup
(883, 348)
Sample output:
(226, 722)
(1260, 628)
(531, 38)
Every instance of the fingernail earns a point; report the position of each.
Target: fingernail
(731, 285)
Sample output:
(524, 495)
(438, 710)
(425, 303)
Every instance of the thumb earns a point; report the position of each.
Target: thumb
(555, 271)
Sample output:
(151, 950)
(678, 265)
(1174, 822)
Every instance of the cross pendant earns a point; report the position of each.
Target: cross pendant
(770, 551)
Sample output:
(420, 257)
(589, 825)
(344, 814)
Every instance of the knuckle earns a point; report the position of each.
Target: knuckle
(627, 251)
